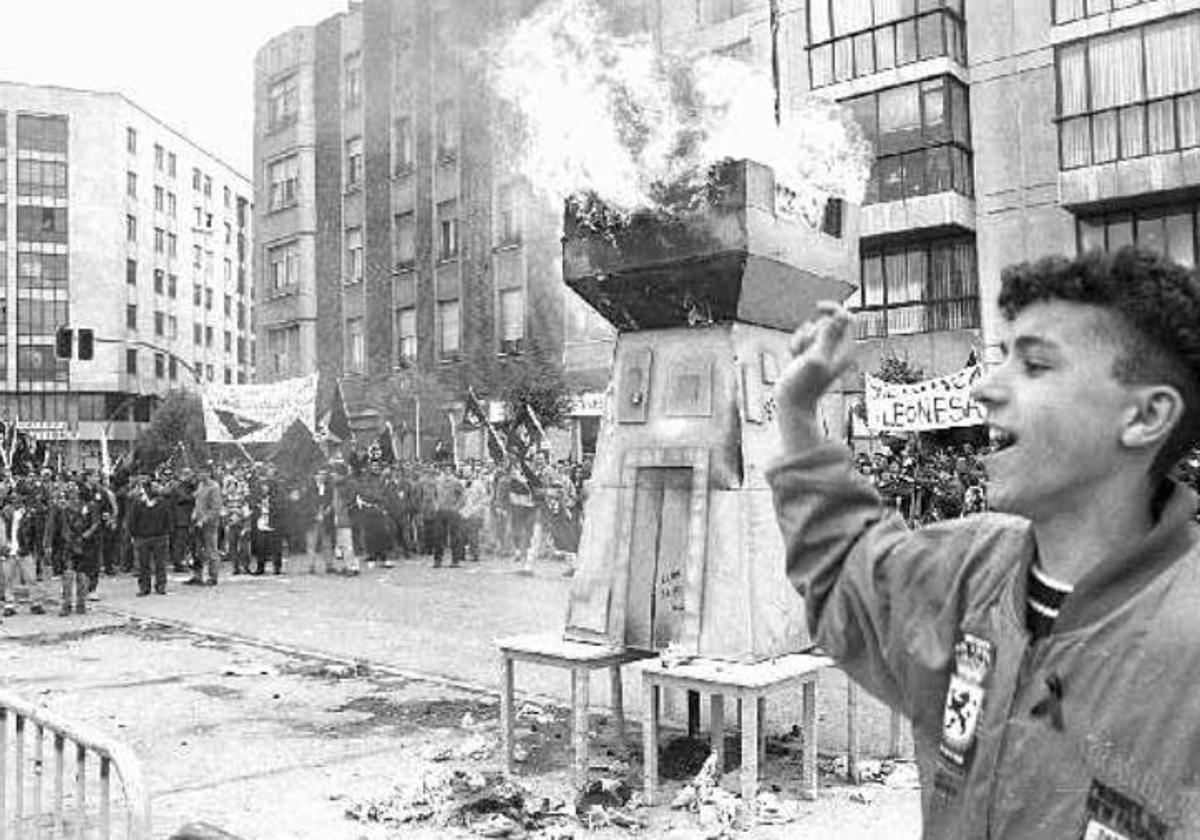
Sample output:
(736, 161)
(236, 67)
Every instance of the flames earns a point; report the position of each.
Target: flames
(613, 117)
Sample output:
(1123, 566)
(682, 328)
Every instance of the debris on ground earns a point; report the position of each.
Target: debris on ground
(486, 804)
(715, 808)
(535, 713)
(609, 802)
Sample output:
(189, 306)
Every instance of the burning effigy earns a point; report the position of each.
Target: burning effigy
(705, 230)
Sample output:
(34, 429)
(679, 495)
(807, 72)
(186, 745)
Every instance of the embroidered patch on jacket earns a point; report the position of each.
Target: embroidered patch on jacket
(1114, 816)
(973, 659)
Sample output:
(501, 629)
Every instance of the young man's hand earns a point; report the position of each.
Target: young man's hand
(820, 353)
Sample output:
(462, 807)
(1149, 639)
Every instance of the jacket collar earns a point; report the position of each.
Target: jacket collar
(1120, 578)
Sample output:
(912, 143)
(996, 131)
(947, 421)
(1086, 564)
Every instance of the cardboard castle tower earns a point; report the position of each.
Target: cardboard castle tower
(680, 545)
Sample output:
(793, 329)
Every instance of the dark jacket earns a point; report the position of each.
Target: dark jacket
(149, 518)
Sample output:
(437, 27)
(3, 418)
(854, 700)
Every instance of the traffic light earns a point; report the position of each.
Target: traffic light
(63, 341)
(86, 345)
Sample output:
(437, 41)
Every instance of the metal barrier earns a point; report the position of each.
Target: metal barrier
(24, 812)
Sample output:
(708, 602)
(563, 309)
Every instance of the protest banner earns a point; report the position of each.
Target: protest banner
(941, 403)
(258, 413)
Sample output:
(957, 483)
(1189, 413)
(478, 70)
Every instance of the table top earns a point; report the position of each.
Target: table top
(554, 647)
(730, 674)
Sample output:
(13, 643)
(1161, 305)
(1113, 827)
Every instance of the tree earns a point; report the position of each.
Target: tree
(178, 423)
(539, 386)
(898, 371)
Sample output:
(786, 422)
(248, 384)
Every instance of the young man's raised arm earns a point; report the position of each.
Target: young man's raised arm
(880, 599)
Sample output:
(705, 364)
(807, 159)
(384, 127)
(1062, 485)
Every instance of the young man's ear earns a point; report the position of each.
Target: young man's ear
(1156, 411)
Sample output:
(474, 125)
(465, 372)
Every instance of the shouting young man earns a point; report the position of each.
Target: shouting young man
(1048, 653)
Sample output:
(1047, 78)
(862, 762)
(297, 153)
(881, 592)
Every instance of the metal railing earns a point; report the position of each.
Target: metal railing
(81, 770)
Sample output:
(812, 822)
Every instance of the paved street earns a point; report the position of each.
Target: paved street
(259, 740)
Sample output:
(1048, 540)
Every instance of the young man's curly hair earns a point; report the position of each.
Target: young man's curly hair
(1156, 309)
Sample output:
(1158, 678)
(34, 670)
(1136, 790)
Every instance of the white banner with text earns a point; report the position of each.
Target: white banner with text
(941, 403)
(258, 413)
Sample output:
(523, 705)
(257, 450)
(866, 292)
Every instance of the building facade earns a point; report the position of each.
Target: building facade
(396, 248)
(112, 221)
(1003, 131)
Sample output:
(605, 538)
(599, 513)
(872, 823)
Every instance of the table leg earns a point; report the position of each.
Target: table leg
(852, 748)
(506, 711)
(750, 725)
(618, 700)
(762, 731)
(716, 710)
(650, 696)
(808, 727)
(579, 694)
(693, 721)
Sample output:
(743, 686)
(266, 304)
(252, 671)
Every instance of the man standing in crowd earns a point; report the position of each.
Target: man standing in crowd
(150, 523)
(17, 542)
(73, 527)
(183, 502)
(448, 496)
(206, 517)
(1044, 653)
(266, 512)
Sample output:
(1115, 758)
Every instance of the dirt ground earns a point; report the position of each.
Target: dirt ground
(272, 745)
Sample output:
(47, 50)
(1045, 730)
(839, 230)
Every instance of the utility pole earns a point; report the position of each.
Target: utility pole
(775, 73)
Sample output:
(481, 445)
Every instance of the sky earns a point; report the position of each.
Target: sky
(190, 63)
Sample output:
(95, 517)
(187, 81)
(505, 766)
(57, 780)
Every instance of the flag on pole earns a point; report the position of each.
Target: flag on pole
(453, 437)
(478, 415)
(338, 424)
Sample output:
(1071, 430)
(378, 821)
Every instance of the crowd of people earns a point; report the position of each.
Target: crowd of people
(928, 483)
(247, 516)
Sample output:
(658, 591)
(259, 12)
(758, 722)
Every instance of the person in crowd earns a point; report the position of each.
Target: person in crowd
(267, 512)
(522, 511)
(18, 550)
(1034, 647)
(182, 491)
(71, 530)
(150, 522)
(477, 499)
(448, 497)
(206, 519)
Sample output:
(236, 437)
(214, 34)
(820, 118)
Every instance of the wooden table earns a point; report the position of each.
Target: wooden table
(580, 658)
(750, 684)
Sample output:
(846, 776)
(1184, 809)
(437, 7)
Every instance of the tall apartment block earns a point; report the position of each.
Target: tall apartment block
(394, 235)
(1003, 131)
(112, 221)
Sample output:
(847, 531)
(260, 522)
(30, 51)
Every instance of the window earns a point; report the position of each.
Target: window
(208, 186)
(1066, 11)
(403, 145)
(41, 133)
(172, 328)
(512, 320)
(36, 270)
(197, 295)
(446, 130)
(241, 316)
(853, 38)
(1130, 93)
(228, 270)
(227, 198)
(131, 361)
(228, 233)
(208, 372)
(283, 348)
(40, 178)
(918, 288)
(38, 316)
(405, 244)
(196, 180)
(131, 272)
(354, 162)
(447, 213)
(921, 136)
(160, 323)
(171, 161)
(131, 316)
(406, 332)
(355, 349)
(1169, 230)
(228, 306)
(228, 341)
(158, 281)
(160, 237)
(160, 365)
(448, 328)
(196, 256)
(353, 81)
(197, 334)
(228, 376)
(172, 285)
(131, 141)
(208, 336)
(171, 204)
(172, 245)
(131, 228)
(283, 268)
(172, 368)
(208, 299)
(158, 198)
(283, 178)
(42, 224)
(507, 215)
(282, 103)
(158, 157)
(131, 184)
(241, 351)
(354, 255)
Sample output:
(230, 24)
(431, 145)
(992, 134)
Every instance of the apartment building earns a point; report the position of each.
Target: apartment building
(110, 220)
